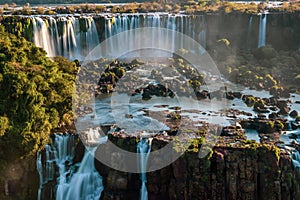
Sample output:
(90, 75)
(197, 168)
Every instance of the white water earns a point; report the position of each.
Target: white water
(86, 183)
(79, 181)
(249, 39)
(64, 36)
(262, 30)
(296, 159)
(41, 36)
(143, 150)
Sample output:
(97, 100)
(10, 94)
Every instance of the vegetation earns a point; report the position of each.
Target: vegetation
(35, 98)
(190, 7)
(262, 68)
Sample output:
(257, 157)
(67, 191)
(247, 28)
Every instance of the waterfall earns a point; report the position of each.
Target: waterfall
(41, 36)
(296, 160)
(85, 183)
(262, 30)
(74, 37)
(194, 27)
(296, 157)
(249, 41)
(143, 150)
(79, 181)
(70, 37)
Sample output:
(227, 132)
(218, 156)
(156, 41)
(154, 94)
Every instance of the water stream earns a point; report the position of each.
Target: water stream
(74, 180)
(262, 30)
(143, 150)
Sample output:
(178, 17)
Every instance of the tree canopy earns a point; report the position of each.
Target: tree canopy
(35, 96)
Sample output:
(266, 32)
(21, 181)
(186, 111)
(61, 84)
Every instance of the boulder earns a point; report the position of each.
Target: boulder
(294, 114)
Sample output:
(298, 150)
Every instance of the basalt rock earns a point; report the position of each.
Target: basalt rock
(245, 172)
(14, 181)
(232, 130)
(264, 125)
(294, 114)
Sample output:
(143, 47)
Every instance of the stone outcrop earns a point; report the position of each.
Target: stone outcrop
(19, 180)
(250, 171)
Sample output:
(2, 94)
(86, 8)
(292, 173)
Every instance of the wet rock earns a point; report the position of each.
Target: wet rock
(294, 114)
(232, 130)
(202, 95)
(237, 94)
(128, 116)
(259, 106)
(273, 108)
(229, 95)
(146, 95)
(295, 125)
(249, 100)
(261, 116)
(174, 115)
(156, 90)
(273, 115)
(284, 111)
(283, 106)
(279, 92)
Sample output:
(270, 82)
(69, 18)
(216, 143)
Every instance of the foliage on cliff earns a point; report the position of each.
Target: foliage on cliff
(188, 6)
(35, 96)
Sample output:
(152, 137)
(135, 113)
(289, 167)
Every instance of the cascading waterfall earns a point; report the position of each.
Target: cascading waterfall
(41, 35)
(86, 183)
(74, 37)
(79, 181)
(262, 30)
(296, 158)
(249, 42)
(194, 27)
(143, 150)
(70, 37)
(58, 154)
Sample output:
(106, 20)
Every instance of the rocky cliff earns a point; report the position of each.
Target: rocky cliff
(19, 180)
(249, 171)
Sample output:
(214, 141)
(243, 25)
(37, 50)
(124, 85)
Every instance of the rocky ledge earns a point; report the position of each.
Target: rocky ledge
(235, 168)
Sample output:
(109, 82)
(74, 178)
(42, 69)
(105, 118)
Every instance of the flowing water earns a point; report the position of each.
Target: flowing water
(74, 37)
(262, 30)
(143, 150)
(74, 181)
(70, 37)
(249, 39)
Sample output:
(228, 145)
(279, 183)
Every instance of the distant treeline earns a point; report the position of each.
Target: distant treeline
(23, 2)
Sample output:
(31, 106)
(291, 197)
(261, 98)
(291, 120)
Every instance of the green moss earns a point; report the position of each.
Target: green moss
(279, 125)
(192, 145)
(224, 41)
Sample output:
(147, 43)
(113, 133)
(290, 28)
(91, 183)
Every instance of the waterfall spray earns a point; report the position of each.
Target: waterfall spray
(262, 30)
(143, 150)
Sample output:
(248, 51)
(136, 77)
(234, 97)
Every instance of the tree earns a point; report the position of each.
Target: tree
(35, 97)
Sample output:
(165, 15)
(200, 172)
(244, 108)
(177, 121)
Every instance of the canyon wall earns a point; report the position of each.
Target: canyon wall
(228, 173)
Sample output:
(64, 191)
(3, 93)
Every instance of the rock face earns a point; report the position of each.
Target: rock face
(229, 173)
(19, 180)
